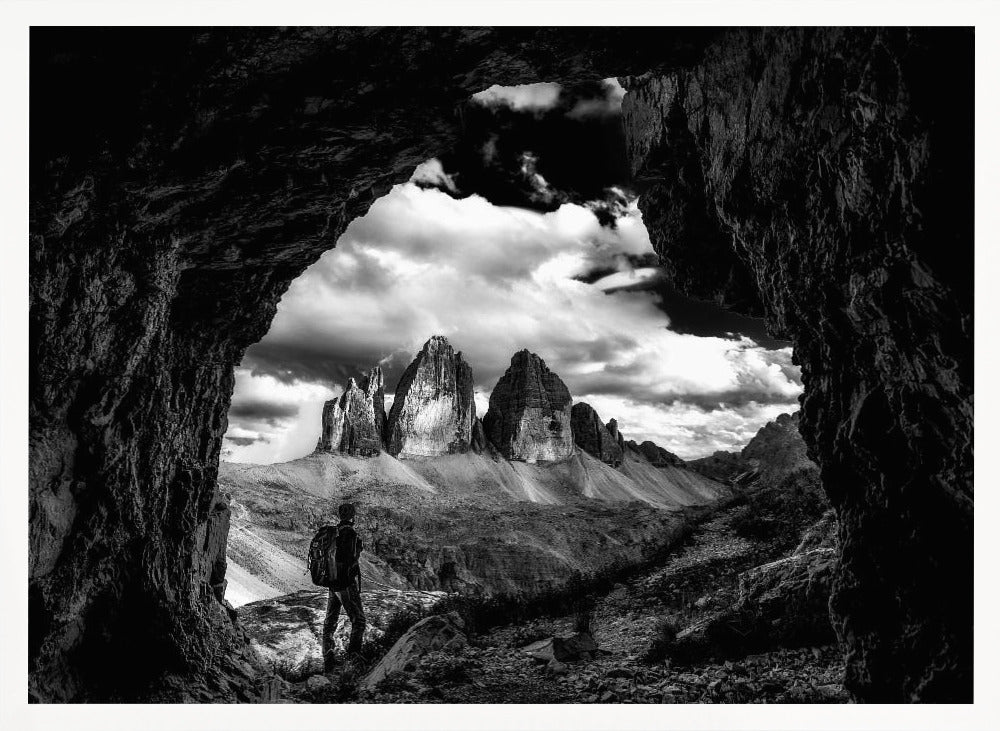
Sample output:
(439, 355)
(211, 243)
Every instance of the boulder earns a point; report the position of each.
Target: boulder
(437, 632)
(783, 603)
(792, 595)
(590, 435)
(286, 631)
(563, 649)
(821, 535)
(317, 683)
(530, 418)
(434, 410)
(353, 423)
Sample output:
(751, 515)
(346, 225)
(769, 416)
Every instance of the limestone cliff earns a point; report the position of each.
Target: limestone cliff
(590, 435)
(434, 410)
(530, 418)
(353, 423)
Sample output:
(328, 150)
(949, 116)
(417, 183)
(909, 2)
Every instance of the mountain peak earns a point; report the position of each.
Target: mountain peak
(590, 435)
(529, 417)
(433, 412)
(354, 422)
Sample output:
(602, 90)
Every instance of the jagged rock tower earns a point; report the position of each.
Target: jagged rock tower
(530, 412)
(613, 431)
(590, 435)
(434, 410)
(354, 423)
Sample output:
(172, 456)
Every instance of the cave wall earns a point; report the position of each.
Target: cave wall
(838, 163)
(180, 179)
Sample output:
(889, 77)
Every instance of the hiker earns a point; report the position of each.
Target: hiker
(343, 576)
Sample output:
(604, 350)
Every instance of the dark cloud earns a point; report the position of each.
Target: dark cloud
(688, 315)
(246, 441)
(268, 412)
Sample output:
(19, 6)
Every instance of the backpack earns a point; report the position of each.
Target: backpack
(322, 556)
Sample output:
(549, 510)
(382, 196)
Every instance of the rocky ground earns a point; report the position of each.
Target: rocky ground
(634, 626)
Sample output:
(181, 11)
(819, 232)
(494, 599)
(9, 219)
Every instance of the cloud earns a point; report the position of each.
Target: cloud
(431, 174)
(495, 280)
(684, 429)
(271, 420)
(532, 97)
(266, 411)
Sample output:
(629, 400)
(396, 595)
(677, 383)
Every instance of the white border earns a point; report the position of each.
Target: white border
(17, 15)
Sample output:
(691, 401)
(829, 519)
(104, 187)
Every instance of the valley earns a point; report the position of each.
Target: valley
(679, 567)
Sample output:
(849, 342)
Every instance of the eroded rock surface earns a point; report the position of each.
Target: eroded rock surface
(830, 169)
(434, 410)
(593, 437)
(781, 604)
(530, 415)
(354, 423)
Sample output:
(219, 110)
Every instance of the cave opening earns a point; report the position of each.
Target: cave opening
(526, 234)
(835, 176)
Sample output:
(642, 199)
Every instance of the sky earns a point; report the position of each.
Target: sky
(484, 248)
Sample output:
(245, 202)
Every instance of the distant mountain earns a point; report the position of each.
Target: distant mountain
(519, 501)
(433, 412)
(775, 451)
(354, 423)
(530, 415)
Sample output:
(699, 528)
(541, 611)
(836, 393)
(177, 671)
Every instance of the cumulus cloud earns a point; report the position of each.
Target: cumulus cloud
(539, 96)
(495, 280)
(685, 429)
(271, 420)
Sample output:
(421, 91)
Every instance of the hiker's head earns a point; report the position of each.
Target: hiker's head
(346, 512)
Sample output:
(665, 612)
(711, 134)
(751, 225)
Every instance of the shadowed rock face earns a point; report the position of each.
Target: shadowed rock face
(656, 454)
(592, 436)
(183, 178)
(837, 164)
(615, 434)
(354, 423)
(530, 415)
(434, 410)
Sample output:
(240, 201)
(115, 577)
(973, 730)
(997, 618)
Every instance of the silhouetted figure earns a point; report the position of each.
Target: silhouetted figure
(345, 589)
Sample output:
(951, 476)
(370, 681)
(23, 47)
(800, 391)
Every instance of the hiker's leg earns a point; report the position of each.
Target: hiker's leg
(329, 628)
(351, 599)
